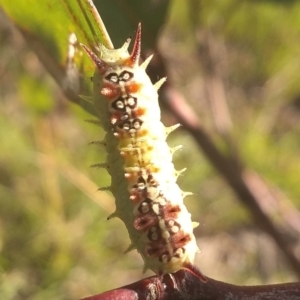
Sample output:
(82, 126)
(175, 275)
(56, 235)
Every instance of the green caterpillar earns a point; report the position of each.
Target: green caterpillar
(139, 160)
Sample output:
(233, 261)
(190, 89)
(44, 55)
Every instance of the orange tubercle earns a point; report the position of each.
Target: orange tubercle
(139, 112)
(133, 87)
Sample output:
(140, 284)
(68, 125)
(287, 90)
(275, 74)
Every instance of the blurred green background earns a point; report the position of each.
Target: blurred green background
(55, 242)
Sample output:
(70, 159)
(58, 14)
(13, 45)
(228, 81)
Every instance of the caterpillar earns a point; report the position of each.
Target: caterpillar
(139, 160)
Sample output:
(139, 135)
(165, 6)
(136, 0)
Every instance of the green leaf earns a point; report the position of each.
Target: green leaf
(47, 25)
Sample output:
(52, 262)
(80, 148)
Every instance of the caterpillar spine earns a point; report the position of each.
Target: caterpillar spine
(143, 177)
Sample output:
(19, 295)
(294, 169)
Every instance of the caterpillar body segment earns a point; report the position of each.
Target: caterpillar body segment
(143, 177)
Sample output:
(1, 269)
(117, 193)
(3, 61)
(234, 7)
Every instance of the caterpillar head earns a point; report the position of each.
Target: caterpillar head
(112, 57)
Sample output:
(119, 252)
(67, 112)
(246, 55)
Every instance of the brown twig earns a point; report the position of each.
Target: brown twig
(189, 284)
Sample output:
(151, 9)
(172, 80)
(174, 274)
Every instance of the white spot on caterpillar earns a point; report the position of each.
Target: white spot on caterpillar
(174, 229)
(155, 208)
(145, 207)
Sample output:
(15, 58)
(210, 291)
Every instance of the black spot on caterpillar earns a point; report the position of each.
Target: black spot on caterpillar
(143, 178)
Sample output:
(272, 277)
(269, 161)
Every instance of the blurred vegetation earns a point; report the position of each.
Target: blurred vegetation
(55, 242)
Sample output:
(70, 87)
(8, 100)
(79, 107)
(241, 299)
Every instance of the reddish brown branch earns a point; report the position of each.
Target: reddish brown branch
(187, 285)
